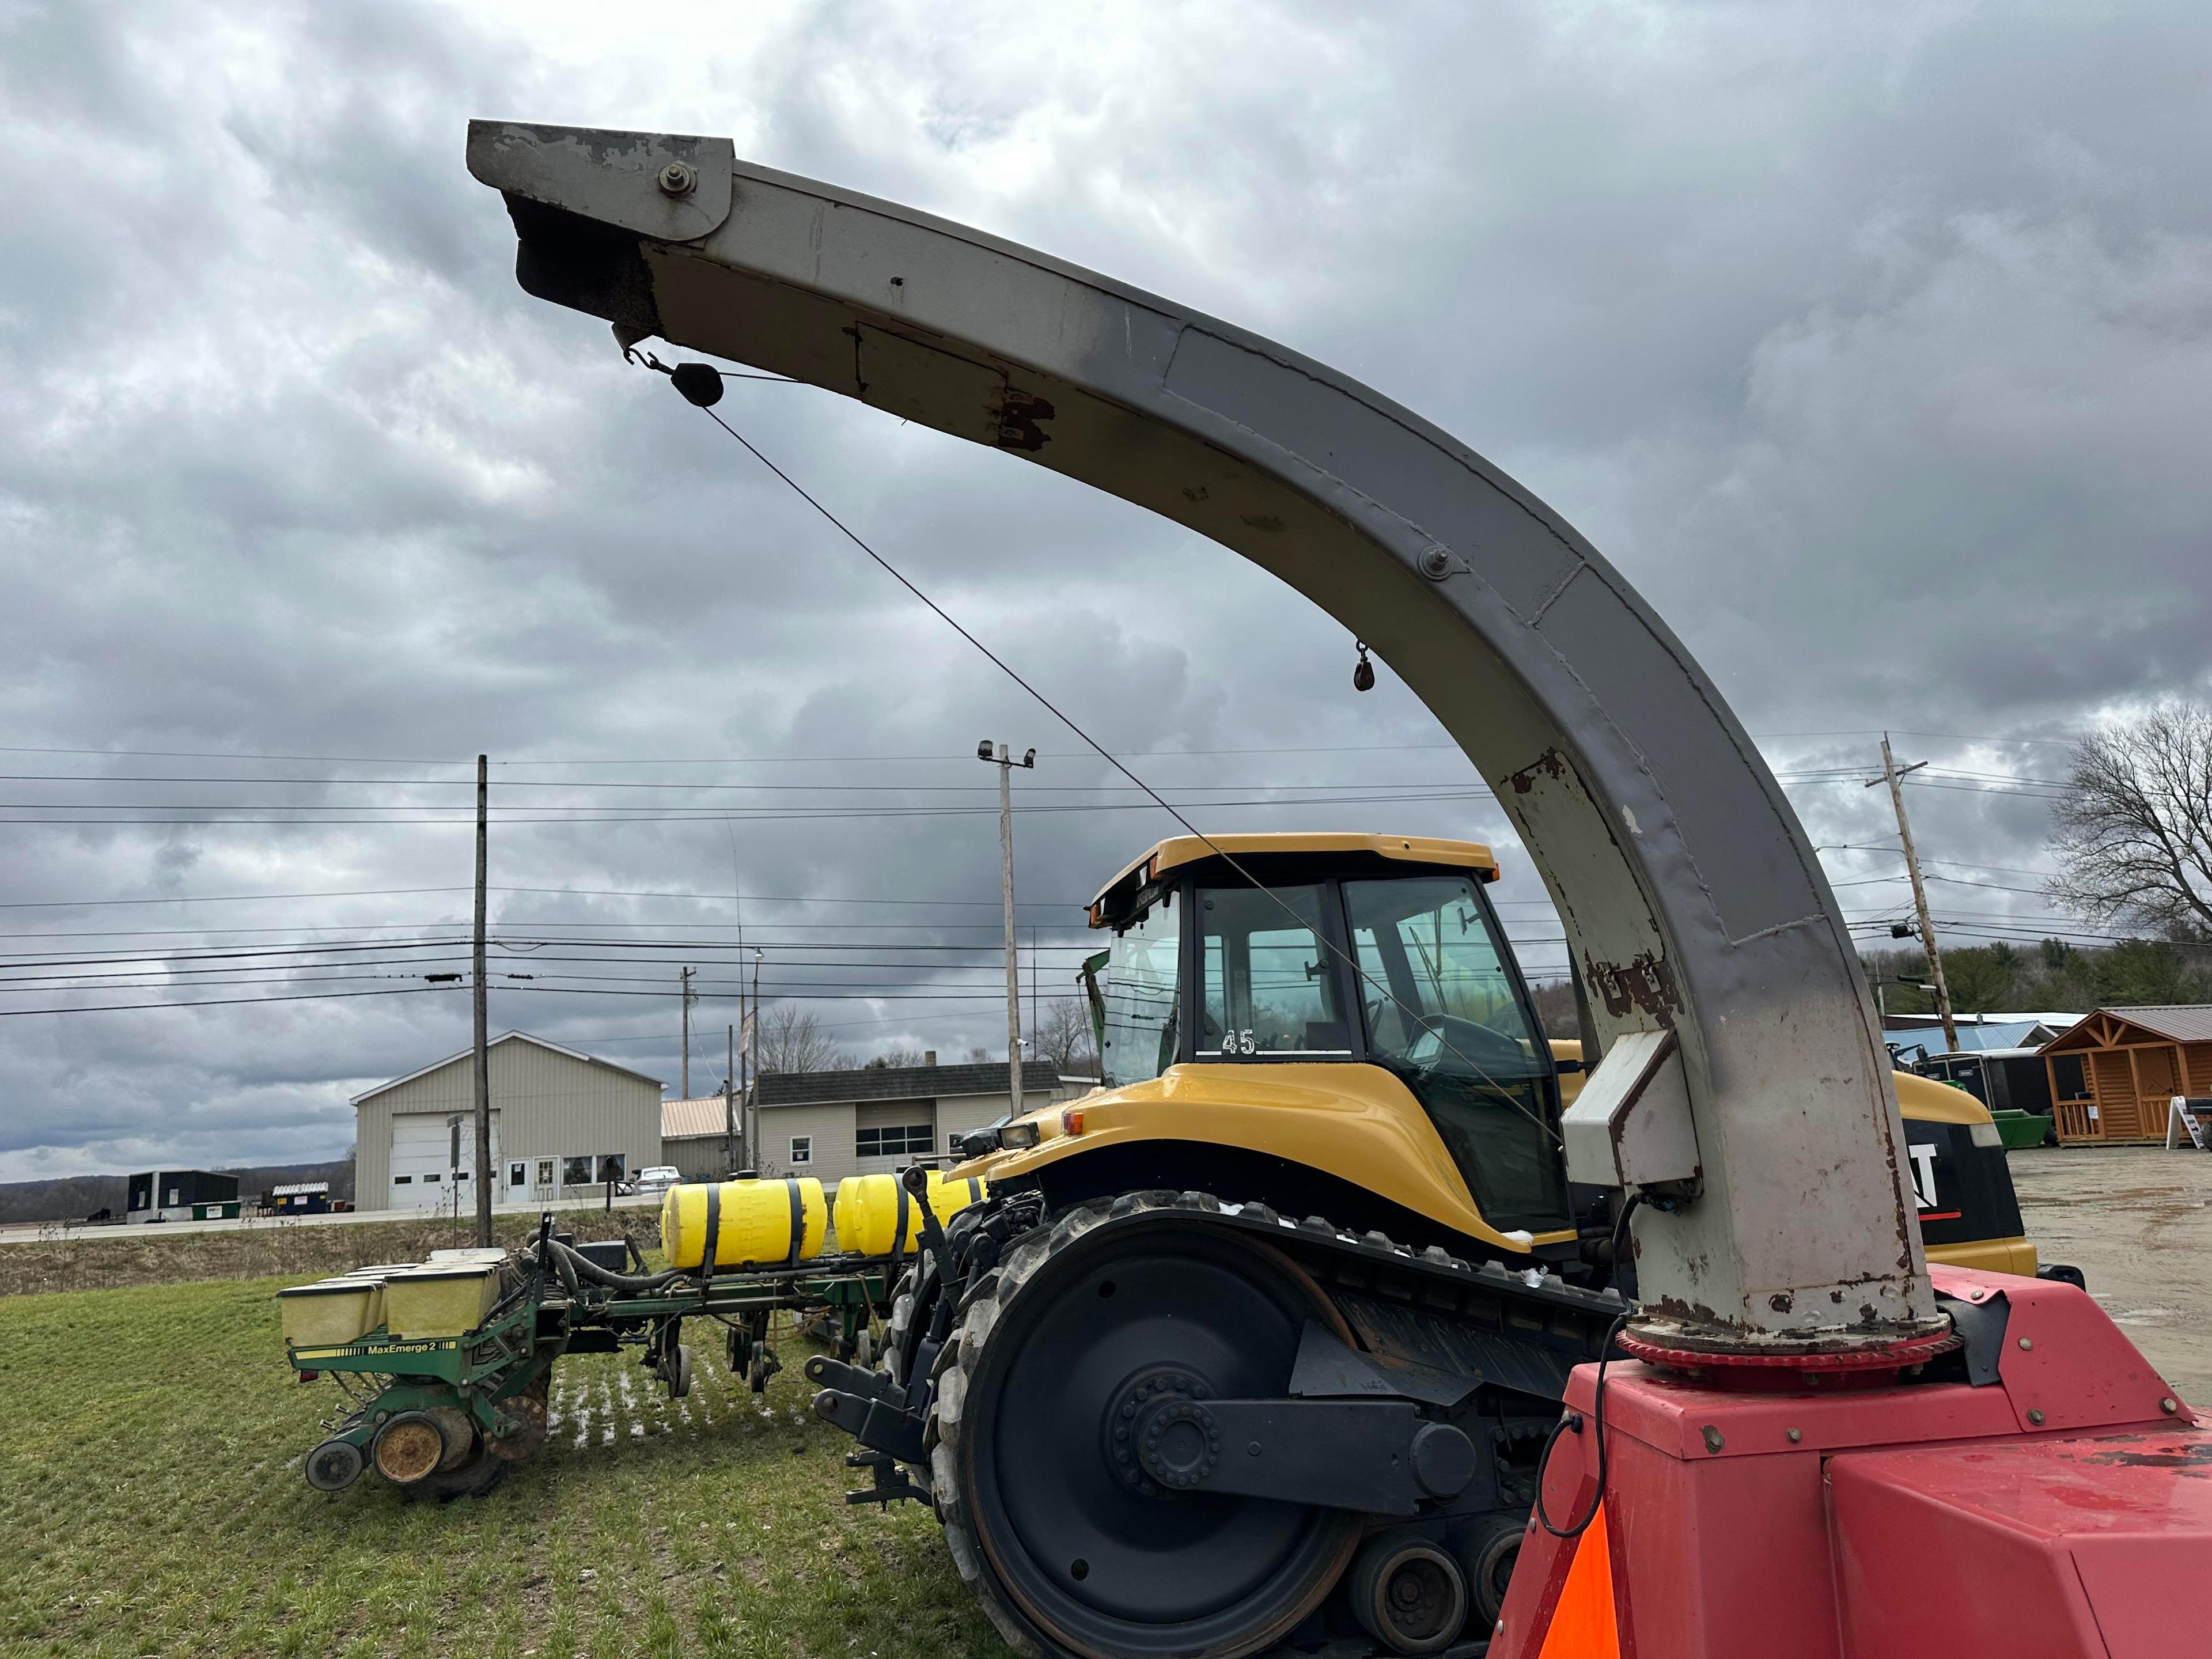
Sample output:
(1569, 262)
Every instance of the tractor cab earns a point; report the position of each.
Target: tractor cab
(1339, 950)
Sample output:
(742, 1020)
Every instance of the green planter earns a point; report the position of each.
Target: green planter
(2022, 1129)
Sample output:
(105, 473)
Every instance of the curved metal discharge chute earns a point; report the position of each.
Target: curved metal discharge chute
(1691, 901)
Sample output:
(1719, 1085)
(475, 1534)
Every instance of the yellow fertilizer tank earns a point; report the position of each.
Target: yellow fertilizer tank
(872, 1209)
(448, 1299)
(758, 1223)
(333, 1313)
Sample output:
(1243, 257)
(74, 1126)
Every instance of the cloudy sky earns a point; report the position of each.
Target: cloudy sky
(1873, 342)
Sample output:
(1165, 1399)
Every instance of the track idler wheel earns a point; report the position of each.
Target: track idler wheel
(1407, 1593)
(334, 1466)
(1072, 1547)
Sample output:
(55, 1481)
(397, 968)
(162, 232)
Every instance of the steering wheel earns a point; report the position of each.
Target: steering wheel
(1447, 1042)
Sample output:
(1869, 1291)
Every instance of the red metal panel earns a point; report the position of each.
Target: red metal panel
(2064, 1358)
(1920, 1578)
(2086, 1544)
(1673, 1415)
(1918, 1522)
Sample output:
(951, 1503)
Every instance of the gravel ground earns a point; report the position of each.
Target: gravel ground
(2138, 1221)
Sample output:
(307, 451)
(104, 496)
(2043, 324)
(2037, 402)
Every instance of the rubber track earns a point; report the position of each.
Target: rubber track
(1439, 1285)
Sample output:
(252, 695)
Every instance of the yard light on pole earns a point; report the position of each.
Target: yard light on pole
(1002, 757)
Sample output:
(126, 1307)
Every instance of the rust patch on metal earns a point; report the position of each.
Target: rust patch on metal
(1020, 416)
(1782, 1301)
(1645, 983)
(1267, 521)
(2195, 1460)
(1551, 763)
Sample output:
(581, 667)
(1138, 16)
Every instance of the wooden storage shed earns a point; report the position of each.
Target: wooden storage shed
(2112, 1075)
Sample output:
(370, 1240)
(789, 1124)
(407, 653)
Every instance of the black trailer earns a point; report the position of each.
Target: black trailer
(170, 1194)
(2003, 1080)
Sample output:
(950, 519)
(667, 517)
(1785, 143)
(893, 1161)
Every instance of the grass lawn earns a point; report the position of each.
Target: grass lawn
(151, 1503)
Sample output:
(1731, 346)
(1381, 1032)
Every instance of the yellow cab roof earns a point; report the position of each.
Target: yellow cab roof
(1412, 849)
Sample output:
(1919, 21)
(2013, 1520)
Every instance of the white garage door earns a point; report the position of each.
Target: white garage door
(434, 1155)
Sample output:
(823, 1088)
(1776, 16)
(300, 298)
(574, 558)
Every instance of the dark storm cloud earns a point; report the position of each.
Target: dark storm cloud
(1872, 343)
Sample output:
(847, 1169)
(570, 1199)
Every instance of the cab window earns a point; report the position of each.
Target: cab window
(1270, 984)
(1137, 1023)
(1443, 1013)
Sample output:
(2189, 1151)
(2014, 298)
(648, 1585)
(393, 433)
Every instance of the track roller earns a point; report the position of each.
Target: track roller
(1487, 1558)
(1407, 1593)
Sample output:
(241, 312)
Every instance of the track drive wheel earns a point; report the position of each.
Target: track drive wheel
(1068, 1545)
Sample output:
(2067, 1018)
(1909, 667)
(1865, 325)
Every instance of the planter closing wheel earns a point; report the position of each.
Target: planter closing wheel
(334, 1466)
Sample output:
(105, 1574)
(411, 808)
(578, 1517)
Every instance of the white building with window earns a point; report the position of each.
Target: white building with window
(562, 1124)
(879, 1118)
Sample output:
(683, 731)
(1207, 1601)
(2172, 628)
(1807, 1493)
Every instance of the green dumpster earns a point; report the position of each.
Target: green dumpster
(2022, 1129)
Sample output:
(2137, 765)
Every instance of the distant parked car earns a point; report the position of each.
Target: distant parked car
(658, 1179)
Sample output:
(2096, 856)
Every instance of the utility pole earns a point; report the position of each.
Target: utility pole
(730, 1101)
(483, 1171)
(745, 1103)
(1003, 759)
(1891, 773)
(683, 980)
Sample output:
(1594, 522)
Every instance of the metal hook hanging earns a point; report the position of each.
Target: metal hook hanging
(700, 383)
(1363, 671)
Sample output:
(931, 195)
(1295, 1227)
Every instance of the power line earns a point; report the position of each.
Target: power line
(218, 1002)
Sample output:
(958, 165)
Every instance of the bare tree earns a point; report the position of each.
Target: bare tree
(1063, 1038)
(792, 1040)
(897, 1057)
(2133, 836)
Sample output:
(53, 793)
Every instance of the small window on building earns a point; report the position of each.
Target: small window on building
(614, 1166)
(402, 1180)
(461, 1175)
(545, 1172)
(575, 1171)
(428, 1179)
(913, 1139)
(515, 1173)
(802, 1149)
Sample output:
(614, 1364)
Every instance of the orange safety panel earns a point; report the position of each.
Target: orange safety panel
(1583, 1624)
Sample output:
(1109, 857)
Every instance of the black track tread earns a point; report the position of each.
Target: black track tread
(980, 1312)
